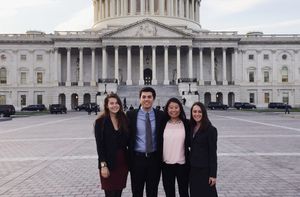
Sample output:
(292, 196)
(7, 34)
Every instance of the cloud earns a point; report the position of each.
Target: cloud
(78, 22)
(226, 7)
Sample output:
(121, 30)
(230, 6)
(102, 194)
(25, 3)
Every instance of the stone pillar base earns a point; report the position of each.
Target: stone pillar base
(166, 82)
(93, 83)
(213, 83)
(225, 82)
(154, 82)
(129, 82)
(68, 83)
(141, 82)
(55, 83)
(80, 83)
(201, 82)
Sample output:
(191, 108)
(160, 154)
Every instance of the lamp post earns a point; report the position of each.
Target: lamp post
(190, 92)
(105, 92)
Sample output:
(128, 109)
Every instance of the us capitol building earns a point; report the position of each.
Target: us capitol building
(148, 42)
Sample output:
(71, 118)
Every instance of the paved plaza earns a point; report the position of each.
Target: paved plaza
(55, 155)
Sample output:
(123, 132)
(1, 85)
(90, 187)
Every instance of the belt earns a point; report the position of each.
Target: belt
(142, 154)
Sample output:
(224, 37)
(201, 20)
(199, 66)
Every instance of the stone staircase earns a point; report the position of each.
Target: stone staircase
(163, 93)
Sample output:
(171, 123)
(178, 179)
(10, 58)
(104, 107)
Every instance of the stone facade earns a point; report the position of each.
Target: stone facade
(149, 43)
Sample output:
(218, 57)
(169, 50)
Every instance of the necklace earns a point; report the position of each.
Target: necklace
(175, 122)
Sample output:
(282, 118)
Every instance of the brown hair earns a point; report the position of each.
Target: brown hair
(121, 117)
(205, 122)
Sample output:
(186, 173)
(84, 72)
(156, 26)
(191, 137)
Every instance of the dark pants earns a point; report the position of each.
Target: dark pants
(199, 186)
(145, 170)
(116, 193)
(170, 172)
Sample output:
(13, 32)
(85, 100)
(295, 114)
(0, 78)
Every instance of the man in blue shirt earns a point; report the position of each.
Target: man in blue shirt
(144, 145)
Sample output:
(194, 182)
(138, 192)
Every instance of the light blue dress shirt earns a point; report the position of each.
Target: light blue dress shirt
(140, 145)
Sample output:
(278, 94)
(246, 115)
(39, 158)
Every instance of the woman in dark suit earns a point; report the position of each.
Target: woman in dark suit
(175, 143)
(203, 156)
(111, 133)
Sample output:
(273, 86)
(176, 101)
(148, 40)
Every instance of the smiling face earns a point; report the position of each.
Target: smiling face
(146, 100)
(197, 113)
(173, 110)
(113, 105)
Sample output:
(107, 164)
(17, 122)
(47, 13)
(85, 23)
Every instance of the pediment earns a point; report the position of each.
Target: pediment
(147, 28)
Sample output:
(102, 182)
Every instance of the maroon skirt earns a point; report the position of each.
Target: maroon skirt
(118, 177)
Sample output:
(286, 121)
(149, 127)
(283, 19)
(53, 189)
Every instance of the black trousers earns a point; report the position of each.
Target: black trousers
(145, 170)
(170, 172)
(116, 193)
(199, 186)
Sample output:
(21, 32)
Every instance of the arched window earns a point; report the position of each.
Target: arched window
(3, 76)
(285, 74)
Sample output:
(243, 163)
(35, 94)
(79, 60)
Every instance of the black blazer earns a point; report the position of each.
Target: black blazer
(187, 140)
(107, 142)
(132, 119)
(204, 150)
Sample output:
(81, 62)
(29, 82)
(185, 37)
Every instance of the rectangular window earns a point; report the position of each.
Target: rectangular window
(285, 97)
(39, 99)
(39, 77)
(39, 57)
(251, 98)
(266, 76)
(251, 76)
(23, 100)
(267, 97)
(285, 77)
(251, 57)
(266, 56)
(2, 99)
(23, 78)
(23, 57)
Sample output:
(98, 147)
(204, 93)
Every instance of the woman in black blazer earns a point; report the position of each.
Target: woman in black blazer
(111, 133)
(175, 137)
(203, 156)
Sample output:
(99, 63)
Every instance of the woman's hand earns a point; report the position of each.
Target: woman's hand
(104, 172)
(212, 181)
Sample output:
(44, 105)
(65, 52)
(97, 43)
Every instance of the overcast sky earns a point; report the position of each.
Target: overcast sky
(268, 16)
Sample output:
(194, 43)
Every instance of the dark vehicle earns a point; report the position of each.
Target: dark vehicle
(86, 107)
(244, 105)
(278, 105)
(39, 107)
(7, 110)
(57, 108)
(238, 105)
(217, 105)
(248, 106)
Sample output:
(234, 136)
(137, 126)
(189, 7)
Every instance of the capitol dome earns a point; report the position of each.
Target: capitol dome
(117, 13)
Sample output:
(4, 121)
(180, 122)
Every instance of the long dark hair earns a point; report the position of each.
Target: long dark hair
(121, 117)
(182, 115)
(205, 122)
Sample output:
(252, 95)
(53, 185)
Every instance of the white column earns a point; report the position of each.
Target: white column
(259, 62)
(225, 82)
(122, 7)
(142, 7)
(95, 3)
(68, 82)
(112, 8)
(190, 62)
(117, 6)
(296, 68)
(141, 81)
(193, 10)
(80, 82)
(152, 7)
(106, 8)
(129, 80)
(171, 13)
(212, 57)
(161, 7)
(104, 63)
(187, 6)
(181, 8)
(166, 67)
(154, 80)
(235, 70)
(101, 13)
(176, 8)
(274, 68)
(197, 12)
(117, 63)
(55, 66)
(201, 80)
(178, 64)
(132, 7)
(93, 81)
